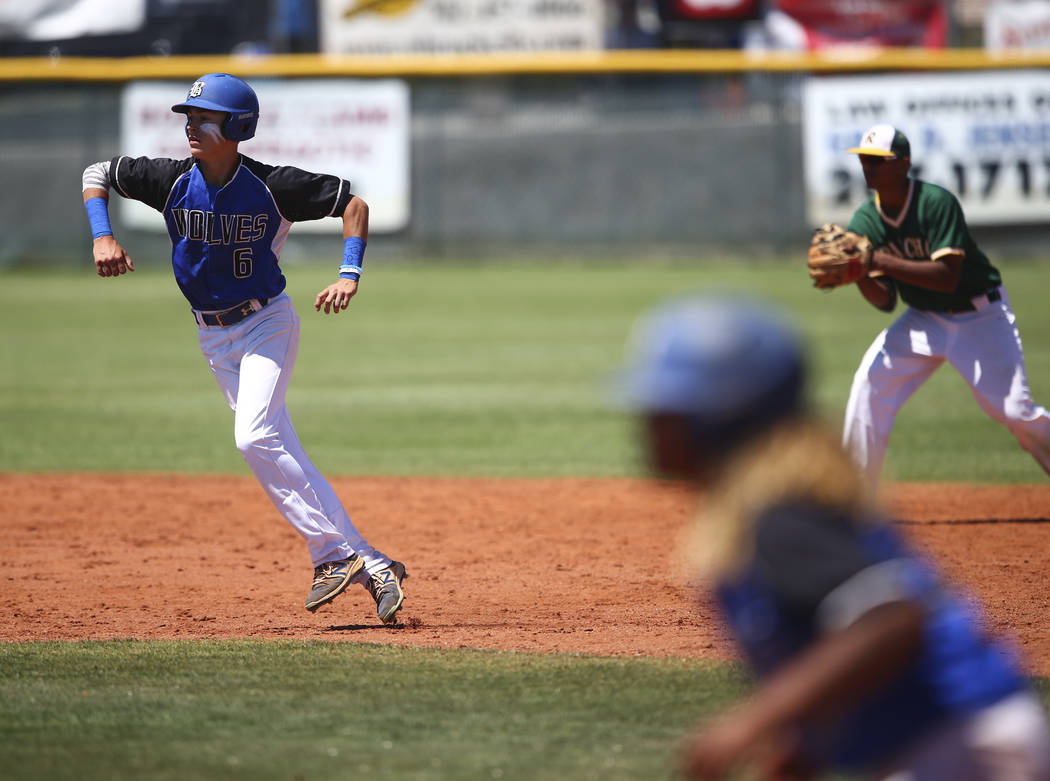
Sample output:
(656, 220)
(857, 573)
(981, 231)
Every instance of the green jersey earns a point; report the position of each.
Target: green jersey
(931, 225)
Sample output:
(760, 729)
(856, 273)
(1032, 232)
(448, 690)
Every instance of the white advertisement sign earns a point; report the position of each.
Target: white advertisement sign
(460, 26)
(984, 136)
(358, 130)
(47, 20)
(1019, 24)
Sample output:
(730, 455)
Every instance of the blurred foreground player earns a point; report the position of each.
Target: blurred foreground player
(865, 662)
(228, 216)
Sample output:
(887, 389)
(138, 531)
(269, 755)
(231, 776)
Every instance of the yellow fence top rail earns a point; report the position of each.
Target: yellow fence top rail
(95, 69)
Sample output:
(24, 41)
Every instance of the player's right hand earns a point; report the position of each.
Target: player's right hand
(110, 258)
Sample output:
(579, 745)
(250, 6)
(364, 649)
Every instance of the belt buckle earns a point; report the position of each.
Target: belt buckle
(236, 313)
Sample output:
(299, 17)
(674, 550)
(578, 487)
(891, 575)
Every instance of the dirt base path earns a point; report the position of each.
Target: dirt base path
(561, 565)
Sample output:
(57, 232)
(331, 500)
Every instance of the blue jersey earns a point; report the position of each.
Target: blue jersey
(778, 605)
(226, 241)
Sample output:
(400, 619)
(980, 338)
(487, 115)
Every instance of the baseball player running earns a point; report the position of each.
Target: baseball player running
(866, 662)
(228, 216)
(958, 310)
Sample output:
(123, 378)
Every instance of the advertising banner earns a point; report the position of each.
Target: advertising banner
(358, 130)
(1021, 24)
(47, 20)
(822, 24)
(984, 136)
(715, 9)
(460, 26)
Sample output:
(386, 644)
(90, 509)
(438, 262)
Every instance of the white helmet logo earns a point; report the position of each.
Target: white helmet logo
(196, 89)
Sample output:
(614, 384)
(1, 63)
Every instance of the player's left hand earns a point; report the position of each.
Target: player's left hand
(837, 256)
(336, 297)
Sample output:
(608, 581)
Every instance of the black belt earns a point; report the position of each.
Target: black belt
(233, 315)
(992, 296)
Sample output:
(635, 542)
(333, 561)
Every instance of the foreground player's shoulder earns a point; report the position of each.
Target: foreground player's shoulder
(805, 550)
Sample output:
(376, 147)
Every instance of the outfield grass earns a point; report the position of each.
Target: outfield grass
(444, 369)
(295, 710)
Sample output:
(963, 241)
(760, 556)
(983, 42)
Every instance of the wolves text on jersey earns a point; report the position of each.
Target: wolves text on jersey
(199, 225)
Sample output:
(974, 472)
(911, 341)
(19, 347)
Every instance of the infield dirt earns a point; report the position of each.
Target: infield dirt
(559, 565)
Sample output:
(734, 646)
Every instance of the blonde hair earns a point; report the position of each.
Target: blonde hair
(795, 461)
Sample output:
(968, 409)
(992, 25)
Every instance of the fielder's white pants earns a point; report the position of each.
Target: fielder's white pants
(983, 346)
(252, 362)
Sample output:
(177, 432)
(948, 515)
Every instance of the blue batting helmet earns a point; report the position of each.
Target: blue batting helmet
(731, 366)
(223, 92)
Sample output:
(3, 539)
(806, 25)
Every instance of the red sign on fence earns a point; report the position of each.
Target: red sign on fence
(819, 24)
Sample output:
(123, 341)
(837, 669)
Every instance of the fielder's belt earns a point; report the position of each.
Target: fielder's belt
(979, 302)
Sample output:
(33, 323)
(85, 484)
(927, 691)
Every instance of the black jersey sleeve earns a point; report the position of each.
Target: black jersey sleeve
(146, 179)
(805, 551)
(301, 195)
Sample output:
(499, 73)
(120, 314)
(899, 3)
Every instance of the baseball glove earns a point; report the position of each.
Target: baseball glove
(837, 256)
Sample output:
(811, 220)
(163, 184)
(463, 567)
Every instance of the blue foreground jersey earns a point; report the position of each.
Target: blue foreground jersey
(808, 564)
(226, 241)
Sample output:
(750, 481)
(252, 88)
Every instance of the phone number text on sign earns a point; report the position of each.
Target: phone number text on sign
(984, 136)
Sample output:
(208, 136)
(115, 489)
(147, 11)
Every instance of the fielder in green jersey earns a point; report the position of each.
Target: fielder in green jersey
(958, 310)
(930, 226)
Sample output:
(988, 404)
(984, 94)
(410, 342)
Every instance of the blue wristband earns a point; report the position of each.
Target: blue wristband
(353, 258)
(98, 215)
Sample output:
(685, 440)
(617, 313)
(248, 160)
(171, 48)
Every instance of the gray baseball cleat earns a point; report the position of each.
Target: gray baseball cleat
(385, 588)
(331, 579)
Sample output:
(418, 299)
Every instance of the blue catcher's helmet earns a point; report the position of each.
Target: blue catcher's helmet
(731, 366)
(223, 92)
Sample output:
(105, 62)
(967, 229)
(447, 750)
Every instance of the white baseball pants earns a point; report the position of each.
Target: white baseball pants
(984, 347)
(252, 362)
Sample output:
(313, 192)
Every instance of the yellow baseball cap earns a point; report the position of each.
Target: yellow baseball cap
(883, 141)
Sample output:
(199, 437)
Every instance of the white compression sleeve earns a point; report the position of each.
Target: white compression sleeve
(97, 175)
